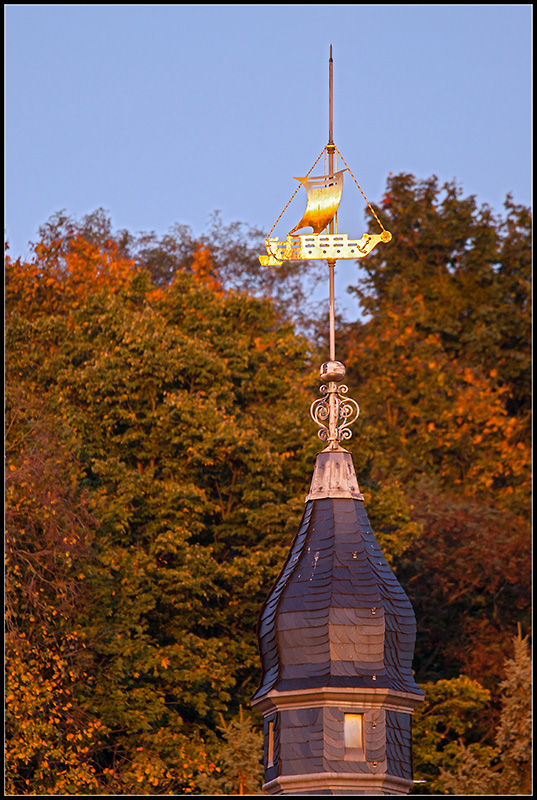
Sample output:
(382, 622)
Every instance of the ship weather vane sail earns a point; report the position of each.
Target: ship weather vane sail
(324, 197)
(334, 411)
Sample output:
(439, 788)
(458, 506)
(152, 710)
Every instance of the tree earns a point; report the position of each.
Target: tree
(441, 370)
(166, 397)
(507, 769)
(472, 271)
(238, 759)
(430, 414)
(159, 454)
(50, 736)
(514, 734)
(234, 255)
(450, 712)
(468, 576)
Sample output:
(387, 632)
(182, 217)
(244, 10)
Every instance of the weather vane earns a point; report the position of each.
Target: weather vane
(334, 412)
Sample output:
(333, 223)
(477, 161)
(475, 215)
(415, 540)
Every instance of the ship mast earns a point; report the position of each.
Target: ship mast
(331, 228)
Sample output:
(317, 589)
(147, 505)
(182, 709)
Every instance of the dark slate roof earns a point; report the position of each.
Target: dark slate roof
(337, 616)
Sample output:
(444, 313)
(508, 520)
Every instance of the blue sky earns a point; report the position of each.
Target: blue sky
(165, 113)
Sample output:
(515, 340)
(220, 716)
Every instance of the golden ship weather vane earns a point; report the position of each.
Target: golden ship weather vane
(334, 412)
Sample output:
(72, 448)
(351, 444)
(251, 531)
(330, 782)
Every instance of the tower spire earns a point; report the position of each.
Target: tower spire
(336, 633)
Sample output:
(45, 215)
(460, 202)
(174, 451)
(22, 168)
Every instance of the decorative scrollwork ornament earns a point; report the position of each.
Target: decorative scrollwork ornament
(334, 413)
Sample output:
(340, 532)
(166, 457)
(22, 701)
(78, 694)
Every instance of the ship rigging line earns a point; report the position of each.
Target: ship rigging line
(359, 187)
(311, 170)
(294, 193)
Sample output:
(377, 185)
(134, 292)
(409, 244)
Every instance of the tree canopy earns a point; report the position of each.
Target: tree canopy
(158, 453)
(442, 366)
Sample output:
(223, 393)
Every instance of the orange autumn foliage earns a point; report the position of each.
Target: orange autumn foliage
(63, 274)
(202, 268)
(433, 413)
(204, 271)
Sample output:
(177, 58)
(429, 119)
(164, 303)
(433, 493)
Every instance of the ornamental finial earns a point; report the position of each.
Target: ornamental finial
(334, 412)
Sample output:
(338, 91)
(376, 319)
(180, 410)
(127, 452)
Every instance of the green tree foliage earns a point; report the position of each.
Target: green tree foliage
(452, 751)
(450, 332)
(450, 713)
(238, 762)
(505, 769)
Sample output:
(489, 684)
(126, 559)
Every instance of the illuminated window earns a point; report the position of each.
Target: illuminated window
(354, 736)
(270, 744)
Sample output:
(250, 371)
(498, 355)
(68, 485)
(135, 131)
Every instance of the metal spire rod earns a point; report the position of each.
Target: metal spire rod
(330, 147)
(331, 267)
(330, 98)
(334, 408)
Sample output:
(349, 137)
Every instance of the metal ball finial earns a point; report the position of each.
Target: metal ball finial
(332, 371)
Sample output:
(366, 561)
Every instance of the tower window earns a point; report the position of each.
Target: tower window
(270, 744)
(353, 732)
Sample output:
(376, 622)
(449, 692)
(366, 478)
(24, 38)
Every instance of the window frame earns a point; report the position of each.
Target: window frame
(352, 751)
